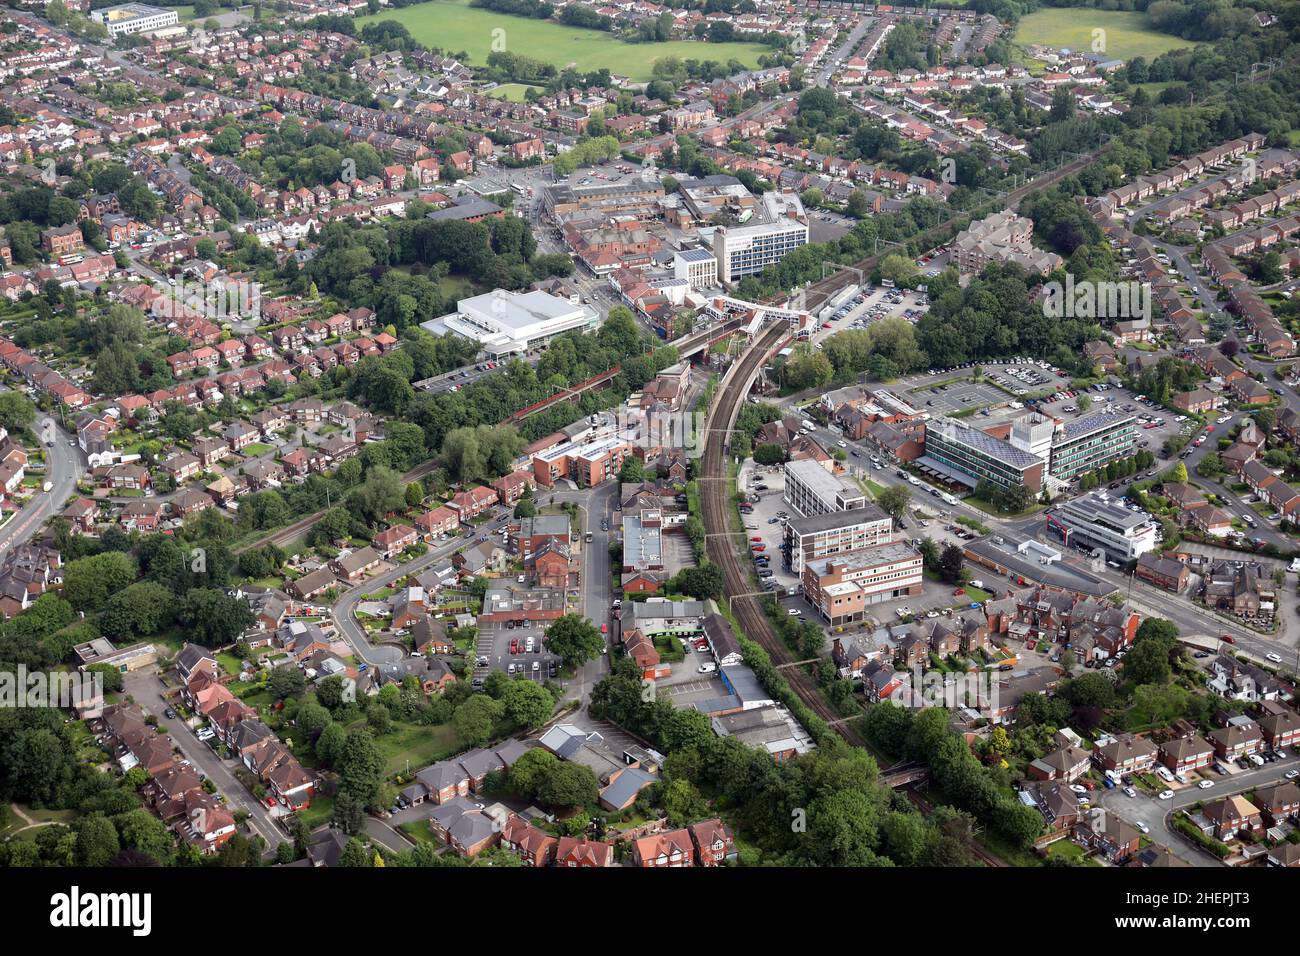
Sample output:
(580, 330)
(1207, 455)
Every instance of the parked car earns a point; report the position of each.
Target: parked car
(1166, 794)
(706, 668)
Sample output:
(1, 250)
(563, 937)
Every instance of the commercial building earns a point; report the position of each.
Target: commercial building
(812, 490)
(511, 323)
(836, 532)
(696, 266)
(842, 588)
(1096, 520)
(129, 18)
(588, 460)
(969, 455)
(778, 227)
(1090, 443)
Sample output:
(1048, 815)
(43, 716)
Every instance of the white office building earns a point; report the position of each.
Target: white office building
(129, 18)
(511, 323)
(812, 490)
(1097, 521)
(779, 226)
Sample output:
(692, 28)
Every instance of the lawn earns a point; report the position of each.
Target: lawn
(417, 830)
(512, 92)
(257, 448)
(454, 26)
(412, 746)
(1127, 34)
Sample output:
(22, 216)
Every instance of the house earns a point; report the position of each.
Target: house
(394, 540)
(1126, 754)
(674, 848)
(1068, 764)
(191, 659)
(440, 521)
(573, 852)
(472, 503)
(312, 584)
(535, 847)
(713, 842)
(1241, 738)
(1229, 816)
(355, 565)
(1111, 837)
(1184, 754)
(1279, 802)
(1162, 572)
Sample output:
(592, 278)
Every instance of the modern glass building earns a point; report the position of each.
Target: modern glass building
(979, 456)
(1090, 443)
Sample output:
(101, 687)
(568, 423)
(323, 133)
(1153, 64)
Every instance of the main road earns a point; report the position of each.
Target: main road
(64, 467)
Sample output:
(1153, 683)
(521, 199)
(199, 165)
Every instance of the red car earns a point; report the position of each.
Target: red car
(959, 591)
(756, 538)
(514, 647)
(758, 547)
(604, 628)
(1227, 639)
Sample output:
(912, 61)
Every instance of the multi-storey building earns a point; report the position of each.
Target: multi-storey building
(842, 588)
(979, 456)
(837, 532)
(747, 250)
(812, 490)
(1096, 520)
(1090, 443)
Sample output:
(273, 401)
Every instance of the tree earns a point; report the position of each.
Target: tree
(144, 608)
(632, 471)
(97, 841)
(526, 703)
(88, 582)
(474, 720)
(700, 582)
(769, 453)
(213, 617)
(950, 564)
(360, 766)
(16, 411)
(568, 785)
(575, 639)
(894, 500)
(287, 680)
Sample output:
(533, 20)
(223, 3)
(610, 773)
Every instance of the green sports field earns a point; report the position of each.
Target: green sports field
(513, 92)
(1127, 34)
(453, 26)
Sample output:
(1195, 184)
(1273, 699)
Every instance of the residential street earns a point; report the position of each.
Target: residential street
(149, 692)
(65, 467)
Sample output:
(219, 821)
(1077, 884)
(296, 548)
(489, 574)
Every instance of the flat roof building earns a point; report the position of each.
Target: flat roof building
(128, 18)
(977, 456)
(511, 323)
(1089, 443)
(836, 532)
(841, 588)
(812, 490)
(1097, 520)
(778, 227)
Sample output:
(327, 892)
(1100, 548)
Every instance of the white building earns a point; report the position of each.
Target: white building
(812, 490)
(511, 323)
(1099, 521)
(696, 266)
(779, 226)
(134, 18)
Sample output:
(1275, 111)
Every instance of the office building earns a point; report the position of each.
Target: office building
(128, 18)
(696, 266)
(778, 227)
(812, 490)
(1097, 521)
(842, 588)
(1091, 443)
(836, 532)
(969, 456)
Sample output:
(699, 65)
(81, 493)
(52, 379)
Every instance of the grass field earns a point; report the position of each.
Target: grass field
(1127, 34)
(453, 25)
(512, 92)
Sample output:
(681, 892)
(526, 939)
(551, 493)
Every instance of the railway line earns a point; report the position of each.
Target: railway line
(715, 502)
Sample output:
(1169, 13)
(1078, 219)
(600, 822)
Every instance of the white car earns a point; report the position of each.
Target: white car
(1142, 826)
(1292, 774)
(842, 443)
(1078, 788)
(793, 611)
(1205, 785)
(1166, 794)
(706, 668)
(1275, 658)
(1130, 792)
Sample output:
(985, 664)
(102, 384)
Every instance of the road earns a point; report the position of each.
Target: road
(843, 51)
(1158, 814)
(64, 468)
(150, 693)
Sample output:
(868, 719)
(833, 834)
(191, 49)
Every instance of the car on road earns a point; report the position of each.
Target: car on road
(1142, 826)
(1166, 794)
(1130, 792)
(169, 713)
(1205, 785)
(1291, 774)
(1275, 658)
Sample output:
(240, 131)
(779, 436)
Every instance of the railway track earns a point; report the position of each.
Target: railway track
(816, 294)
(715, 508)
(715, 505)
